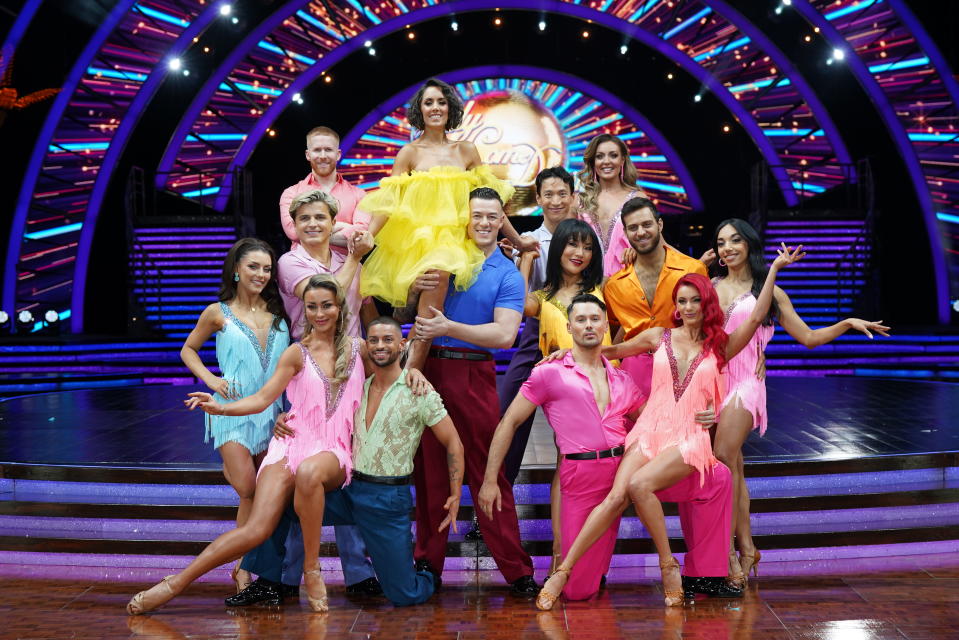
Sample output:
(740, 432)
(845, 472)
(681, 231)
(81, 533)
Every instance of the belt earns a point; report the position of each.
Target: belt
(392, 480)
(449, 354)
(591, 455)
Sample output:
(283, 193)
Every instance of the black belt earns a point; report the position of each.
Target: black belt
(591, 455)
(391, 480)
(449, 354)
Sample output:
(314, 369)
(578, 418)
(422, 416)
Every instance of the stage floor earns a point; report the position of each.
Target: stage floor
(809, 419)
(917, 601)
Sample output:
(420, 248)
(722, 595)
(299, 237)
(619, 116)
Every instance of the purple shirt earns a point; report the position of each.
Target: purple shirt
(297, 265)
(566, 396)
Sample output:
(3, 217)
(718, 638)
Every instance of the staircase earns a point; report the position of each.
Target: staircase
(175, 273)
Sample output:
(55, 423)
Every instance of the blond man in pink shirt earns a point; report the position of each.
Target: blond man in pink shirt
(323, 153)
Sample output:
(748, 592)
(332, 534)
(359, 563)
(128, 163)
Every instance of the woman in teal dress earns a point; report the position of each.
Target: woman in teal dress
(251, 334)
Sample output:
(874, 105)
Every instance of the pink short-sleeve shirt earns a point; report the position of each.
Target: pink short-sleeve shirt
(297, 265)
(566, 396)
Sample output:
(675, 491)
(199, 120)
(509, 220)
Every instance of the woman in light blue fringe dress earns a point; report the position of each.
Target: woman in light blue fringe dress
(251, 334)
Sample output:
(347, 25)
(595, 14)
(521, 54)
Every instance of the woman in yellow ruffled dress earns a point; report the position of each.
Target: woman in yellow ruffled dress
(421, 211)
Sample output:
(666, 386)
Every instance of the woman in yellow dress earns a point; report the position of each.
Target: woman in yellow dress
(421, 211)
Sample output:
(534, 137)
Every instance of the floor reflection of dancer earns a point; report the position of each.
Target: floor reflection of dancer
(742, 271)
(587, 403)
(420, 213)
(250, 336)
(608, 181)
(323, 376)
(667, 444)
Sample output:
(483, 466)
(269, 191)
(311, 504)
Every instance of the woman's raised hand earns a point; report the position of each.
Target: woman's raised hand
(787, 256)
(868, 327)
(205, 401)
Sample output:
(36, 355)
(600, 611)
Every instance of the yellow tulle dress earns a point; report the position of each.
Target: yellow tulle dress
(428, 216)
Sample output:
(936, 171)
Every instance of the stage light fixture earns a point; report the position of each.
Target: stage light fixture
(25, 321)
(542, 25)
(838, 55)
(4, 320)
(586, 34)
(669, 76)
(787, 3)
(235, 20)
(186, 72)
(368, 44)
(497, 21)
(372, 53)
(955, 307)
(623, 49)
(174, 64)
(455, 26)
(698, 97)
(226, 9)
(298, 98)
(51, 316)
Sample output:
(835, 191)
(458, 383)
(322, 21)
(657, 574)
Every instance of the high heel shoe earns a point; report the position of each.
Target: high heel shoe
(750, 562)
(674, 597)
(736, 579)
(319, 604)
(240, 580)
(137, 606)
(557, 560)
(546, 599)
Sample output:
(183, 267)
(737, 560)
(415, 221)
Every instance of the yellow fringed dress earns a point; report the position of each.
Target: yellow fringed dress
(428, 215)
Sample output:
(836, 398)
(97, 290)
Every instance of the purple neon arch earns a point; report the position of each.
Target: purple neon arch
(203, 95)
(557, 77)
(114, 152)
(40, 150)
(906, 150)
(553, 6)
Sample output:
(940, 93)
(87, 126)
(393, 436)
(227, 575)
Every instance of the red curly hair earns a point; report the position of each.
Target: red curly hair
(713, 316)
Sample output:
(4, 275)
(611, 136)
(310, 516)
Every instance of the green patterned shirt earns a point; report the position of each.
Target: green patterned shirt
(388, 446)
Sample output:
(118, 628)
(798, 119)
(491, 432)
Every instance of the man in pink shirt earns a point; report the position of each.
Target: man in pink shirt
(323, 153)
(590, 405)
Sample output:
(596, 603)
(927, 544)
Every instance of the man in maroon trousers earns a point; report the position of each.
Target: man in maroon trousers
(460, 366)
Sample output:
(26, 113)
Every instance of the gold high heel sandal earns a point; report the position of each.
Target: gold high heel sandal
(545, 600)
(750, 562)
(736, 579)
(320, 604)
(674, 598)
(136, 607)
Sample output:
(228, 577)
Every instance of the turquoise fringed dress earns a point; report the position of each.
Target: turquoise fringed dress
(248, 367)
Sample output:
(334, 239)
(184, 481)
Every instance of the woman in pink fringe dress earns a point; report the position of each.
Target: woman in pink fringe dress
(667, 443)
(742, 271)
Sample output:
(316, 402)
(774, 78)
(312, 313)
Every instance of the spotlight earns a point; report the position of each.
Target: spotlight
(4, 320)
(298, 98)
(955, 307)
(235, 20)
(174, 64)
(778, 10)
(698, 97)
(623, 49)
(186, 72)
(411, 35)
(787, 3)
(726, 128)
(368, 44)
(497, 21)
(838, 54)
(225, 9)
(455, 26)
(586, 34)
(542, 25)
(669, 76)
(372, 53)
(25, 321)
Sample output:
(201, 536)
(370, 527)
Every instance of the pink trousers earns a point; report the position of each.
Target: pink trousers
(583, 485)
(705, 513)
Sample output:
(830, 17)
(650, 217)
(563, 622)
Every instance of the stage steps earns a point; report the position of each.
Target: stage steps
(108, 511)
(175, 273)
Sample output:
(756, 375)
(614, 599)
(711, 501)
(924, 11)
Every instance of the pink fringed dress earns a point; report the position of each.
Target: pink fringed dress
(669, 419)
(321, 416)
(745, 389)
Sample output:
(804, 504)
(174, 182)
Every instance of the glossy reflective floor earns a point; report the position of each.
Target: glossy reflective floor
(809, 419)
(919, 600)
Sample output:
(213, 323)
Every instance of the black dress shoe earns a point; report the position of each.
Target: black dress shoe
(524, 586)
(715, 587)
(260, 591)
(474, 534)
(368, 587)
(424, 565)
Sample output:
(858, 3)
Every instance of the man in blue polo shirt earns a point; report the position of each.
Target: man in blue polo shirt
(460, 366)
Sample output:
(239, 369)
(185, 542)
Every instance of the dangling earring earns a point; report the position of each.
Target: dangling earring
(722, 263)
(622, 172)
(236, 277)
(595, 176)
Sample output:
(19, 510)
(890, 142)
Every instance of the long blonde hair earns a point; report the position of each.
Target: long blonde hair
(342, 342)
(589, 185)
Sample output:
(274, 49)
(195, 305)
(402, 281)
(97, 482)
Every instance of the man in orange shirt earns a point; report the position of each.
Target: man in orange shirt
(640, 295)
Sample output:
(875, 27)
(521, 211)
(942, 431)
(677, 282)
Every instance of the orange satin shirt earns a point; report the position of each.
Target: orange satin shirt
(626, 301)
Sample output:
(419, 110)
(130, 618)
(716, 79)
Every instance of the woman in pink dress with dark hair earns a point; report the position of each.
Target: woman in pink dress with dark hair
(742, 270)
(323, 375)
(607, 182)
(668, 443)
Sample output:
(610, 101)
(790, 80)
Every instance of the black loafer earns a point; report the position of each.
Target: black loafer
(368, 587)
(715, 587)
(260, 591)
(424, 565)
(525, 587)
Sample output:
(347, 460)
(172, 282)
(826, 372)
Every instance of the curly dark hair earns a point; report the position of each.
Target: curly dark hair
(415, 112)
(270, 293)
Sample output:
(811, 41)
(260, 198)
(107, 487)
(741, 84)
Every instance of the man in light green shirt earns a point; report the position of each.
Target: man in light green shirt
(386, 434)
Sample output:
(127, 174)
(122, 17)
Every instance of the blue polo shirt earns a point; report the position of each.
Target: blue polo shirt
(498, 285)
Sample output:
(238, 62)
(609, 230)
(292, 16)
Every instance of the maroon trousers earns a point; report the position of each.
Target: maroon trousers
(468, 389)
